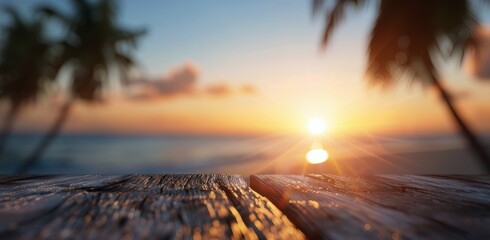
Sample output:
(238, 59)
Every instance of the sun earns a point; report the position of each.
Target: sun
(317, 126)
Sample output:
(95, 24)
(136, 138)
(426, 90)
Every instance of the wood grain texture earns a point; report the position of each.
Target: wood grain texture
(137, 207)
(382, 207)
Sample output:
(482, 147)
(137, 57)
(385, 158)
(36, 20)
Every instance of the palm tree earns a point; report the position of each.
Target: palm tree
(406, 39)
(94, 45)
(24, 66)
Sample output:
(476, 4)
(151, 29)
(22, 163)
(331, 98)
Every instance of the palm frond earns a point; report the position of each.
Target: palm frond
(129, 37)
(124, 60)
(107, 10)
(317, 7)
(51, 12)
(24, 60)
(407, 35)
(93, 46)
(14, 15)
(334, 15)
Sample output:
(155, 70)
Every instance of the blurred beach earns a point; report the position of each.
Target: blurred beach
(246, 155)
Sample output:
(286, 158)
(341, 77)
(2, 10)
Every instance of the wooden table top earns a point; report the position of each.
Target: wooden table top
(204, 206)
(137, 207)
(382, 207)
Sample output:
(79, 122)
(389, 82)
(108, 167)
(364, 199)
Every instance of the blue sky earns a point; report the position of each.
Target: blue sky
(223, 33)
(198, 29)
(220, 34)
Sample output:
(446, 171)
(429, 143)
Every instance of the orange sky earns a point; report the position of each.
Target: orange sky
(294, 81)
(350, 107)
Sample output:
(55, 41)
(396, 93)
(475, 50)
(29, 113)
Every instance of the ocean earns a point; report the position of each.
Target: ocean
(246, 155)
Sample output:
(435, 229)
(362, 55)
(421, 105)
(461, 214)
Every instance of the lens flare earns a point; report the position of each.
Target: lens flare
(317, 154)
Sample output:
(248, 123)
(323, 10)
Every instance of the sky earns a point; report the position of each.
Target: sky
(255, 67)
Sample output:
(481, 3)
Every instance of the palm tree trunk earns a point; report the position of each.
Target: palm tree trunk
(7, 126)
(48, 138)
(473, 142)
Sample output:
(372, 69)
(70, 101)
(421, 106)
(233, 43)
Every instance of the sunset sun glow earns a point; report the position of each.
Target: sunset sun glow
(317, 126)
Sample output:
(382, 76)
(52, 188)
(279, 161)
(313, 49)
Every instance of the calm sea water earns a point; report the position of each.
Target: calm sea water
(74, 154)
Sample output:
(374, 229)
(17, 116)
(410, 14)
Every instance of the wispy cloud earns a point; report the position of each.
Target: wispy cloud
(219, 89)
(249, 89)
(177, 82)
(224, 89)
(182, 81)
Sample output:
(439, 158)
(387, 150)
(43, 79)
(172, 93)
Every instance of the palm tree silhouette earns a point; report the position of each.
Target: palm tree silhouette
(94, 46)
(406, 38)
(25, 66)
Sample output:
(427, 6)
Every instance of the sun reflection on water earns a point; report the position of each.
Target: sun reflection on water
(317, 154)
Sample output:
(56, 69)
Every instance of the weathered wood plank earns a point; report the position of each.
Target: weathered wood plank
(137, 207)
(386, 207)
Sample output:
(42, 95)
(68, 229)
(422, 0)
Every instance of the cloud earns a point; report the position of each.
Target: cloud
(249, 89)
(179, 81)
(478, 61)
(182, 81)
(220, 89)
(224, 89)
